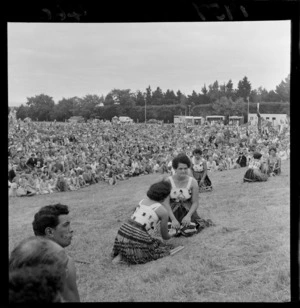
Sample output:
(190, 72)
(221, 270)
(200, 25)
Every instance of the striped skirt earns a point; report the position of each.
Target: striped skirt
(274, 169)
(252, 175)
(180, 209)
(207, 185)
(136, 246)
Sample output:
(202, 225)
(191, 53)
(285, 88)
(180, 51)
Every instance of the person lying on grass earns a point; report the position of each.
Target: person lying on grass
(133, 243)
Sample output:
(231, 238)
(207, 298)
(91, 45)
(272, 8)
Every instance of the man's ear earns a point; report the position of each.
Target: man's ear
(49, 232)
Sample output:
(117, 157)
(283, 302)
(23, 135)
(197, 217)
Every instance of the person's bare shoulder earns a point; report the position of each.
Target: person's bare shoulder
(71, 291)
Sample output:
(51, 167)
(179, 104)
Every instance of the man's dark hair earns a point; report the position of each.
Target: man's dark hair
(47, 216)
(181, 159)
(39, 284)
(159, 191)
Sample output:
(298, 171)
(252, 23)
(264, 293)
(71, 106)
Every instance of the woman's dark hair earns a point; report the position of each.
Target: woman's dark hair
(197, 151)
(181, 159)
(159, 191)
(257, 155)
(272, 148)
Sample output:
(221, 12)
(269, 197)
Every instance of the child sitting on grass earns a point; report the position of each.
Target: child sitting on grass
(61, 184)
(44, 186)
(74, 181)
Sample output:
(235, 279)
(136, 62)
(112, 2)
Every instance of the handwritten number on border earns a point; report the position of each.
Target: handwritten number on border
(214, 10)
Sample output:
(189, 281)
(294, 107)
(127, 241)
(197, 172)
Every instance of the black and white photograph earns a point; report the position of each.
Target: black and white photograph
(153, 158)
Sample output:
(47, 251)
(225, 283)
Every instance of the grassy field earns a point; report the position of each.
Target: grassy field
(245, 257)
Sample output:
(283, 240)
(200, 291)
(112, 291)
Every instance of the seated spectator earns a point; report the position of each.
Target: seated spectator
(57, 165)
(32, 161)
(12, 192)
(35, 285)
(26, 186)
(274, 163)
(61, 184)
(32, 253)
(44, 186)
(40, 160)
(222, 164)
(36, 181)
(12, 172)
(52, 180)
(81, 181)
(242, 159)
(22, 166)
(211, 164)
(255, 172)
(74, 182)
(88, 176)
(53, 222)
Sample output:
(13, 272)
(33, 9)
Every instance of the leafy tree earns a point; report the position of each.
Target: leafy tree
(272, 97)
(244, 88)
(148, 96)
(40, 107)
(253, 97)
(204, 90)
(223, 89)
(283, 89)
(227, 107)
(229, 89)
(109, 101)
(157, 97)
(22, 112)
(262, 94)
(169, 98)
(89, 105)
(193, 99)
(204, 98)
(178, 95)
(213, 91)
(183, 100)
(110, 111)
(124, 97)
(140, 99)
(64, 109)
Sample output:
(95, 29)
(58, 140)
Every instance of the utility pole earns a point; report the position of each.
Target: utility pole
(145, 111)
(248, 110)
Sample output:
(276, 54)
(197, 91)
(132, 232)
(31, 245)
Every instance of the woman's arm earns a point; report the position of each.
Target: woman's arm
(205, 172)
(279, 165)
(195, 203)
(175, 222)
(162, 213)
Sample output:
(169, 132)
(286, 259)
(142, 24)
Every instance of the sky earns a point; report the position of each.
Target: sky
(64, 60)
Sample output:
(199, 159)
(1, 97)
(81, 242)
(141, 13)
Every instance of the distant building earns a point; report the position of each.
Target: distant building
(275, 119)
(122, 119)
(236, 120)
(215, 119)
(188, 120)
(76, 119)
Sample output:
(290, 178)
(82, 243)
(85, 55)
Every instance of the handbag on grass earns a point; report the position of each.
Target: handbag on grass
(185, 231)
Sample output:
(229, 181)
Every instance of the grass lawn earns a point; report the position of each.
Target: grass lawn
(245, 257)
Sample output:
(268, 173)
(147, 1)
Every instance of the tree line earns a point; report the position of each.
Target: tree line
(221, 99)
